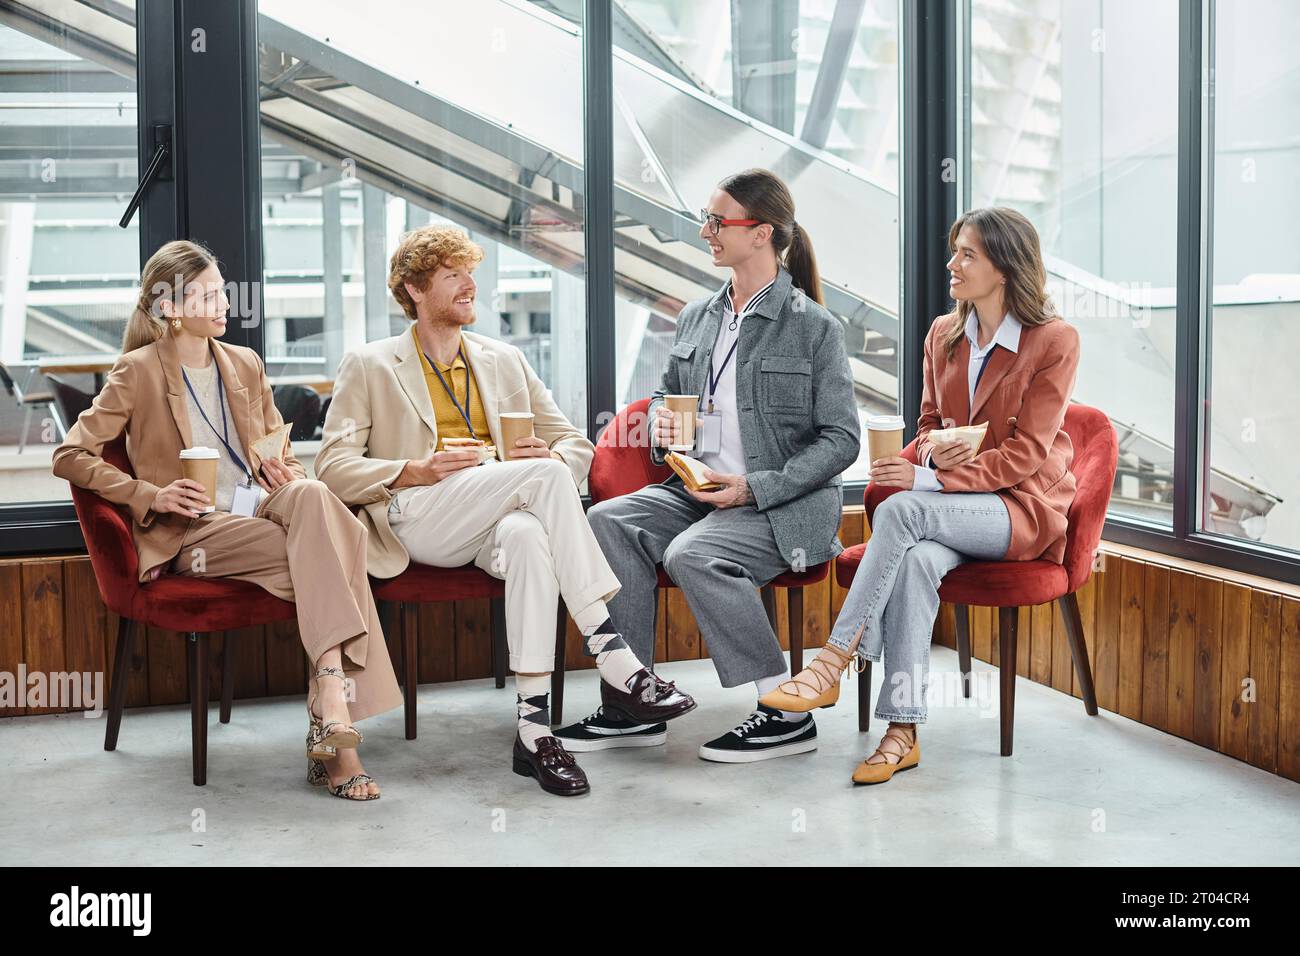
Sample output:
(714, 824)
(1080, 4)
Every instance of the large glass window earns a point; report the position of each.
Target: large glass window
(67, 271)
(1250, 488)
(808, 90)
(1073, 121)
(417, 113)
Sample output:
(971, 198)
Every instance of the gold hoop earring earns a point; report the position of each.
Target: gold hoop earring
(176, 325)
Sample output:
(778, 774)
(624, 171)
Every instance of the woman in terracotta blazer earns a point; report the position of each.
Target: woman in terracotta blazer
(1002, 357)
(176, 386)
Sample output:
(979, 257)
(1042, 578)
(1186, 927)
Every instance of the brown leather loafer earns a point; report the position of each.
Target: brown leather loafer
(650, 701)
(552, 766)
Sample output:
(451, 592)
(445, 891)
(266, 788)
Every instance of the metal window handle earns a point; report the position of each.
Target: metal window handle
(159, 168)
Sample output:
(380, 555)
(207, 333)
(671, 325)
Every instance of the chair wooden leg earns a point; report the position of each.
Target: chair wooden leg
(500, 648)
(196, 648)
(406, 612)
(1079, 651)
(557, 675)
(121, 675)
(1007, 617)
(227, 677)
(769, 604)
(963, 646)
(794, 616)
(864, 699)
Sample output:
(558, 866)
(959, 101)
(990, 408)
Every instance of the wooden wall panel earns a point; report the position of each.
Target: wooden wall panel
(1087, 601)
(1288, 710)
(286, 665)
(1181, 684)
(85, 622)
(1234, 714)
(1208, 680)
(43, 636)
(1040, 640)
(1155, 645)
(1265, 610)
(1132, 621)
(436, 635)
(683, 632)
(1106, 621)
(11, 635)
(473, 638)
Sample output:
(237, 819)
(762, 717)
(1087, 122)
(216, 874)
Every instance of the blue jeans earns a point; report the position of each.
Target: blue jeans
(916, 538)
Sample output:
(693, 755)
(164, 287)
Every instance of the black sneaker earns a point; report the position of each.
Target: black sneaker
(762, 735)
(601, 731)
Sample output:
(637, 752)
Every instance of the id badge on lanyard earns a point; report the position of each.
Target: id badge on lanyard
(708, 433)
(247, 497)
(708, 423)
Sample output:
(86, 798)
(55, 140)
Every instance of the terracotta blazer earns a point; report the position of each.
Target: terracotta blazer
(1025, 457)
(145, 397)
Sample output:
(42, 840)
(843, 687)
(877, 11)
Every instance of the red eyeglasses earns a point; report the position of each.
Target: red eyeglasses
(716, 222)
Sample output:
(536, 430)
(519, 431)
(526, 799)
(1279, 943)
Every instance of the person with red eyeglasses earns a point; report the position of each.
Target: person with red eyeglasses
(777, 424)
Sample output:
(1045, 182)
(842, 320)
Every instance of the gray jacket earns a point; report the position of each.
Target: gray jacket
(798, 417)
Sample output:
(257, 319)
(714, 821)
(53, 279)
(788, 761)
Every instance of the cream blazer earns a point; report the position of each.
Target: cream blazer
(381, 417)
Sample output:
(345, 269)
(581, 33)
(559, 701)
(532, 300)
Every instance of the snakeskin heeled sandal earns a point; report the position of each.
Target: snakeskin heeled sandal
(318, 776)
(325, 737)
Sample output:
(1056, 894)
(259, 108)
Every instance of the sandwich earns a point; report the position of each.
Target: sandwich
(486, 451)
(972, 435)
(274, 444)
(691, 471)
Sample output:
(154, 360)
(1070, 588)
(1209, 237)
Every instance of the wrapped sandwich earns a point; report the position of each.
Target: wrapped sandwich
(486, 451)
(691, 471)
(972, 435)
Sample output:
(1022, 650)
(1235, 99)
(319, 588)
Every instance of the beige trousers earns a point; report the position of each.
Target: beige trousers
(305, 546)
(521, 522)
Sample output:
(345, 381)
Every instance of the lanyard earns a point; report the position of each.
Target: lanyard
(464, 412)
(715, 379)
(224, 436)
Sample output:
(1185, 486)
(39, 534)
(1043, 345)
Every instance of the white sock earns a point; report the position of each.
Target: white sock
(766, 685)
(614, 659)
(533, 700)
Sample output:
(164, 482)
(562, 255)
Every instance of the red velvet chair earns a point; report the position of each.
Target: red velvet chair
(1011, 585)
(423, 584)
(622, 465)
(192, 605)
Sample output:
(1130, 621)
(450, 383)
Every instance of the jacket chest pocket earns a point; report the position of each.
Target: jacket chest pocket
(786, 383)
(681, 356)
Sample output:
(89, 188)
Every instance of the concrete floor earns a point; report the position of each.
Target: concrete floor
(1079, 791)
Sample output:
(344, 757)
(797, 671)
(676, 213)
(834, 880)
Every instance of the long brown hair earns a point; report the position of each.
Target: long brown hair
(767, 199)
(168, 271)
(1011, 243)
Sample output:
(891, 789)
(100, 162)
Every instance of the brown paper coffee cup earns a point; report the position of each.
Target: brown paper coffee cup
(884, 436)
(200, 464)
(514, 426)
(684, 407)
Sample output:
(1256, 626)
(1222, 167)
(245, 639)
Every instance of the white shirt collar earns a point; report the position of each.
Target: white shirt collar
(1007, 335)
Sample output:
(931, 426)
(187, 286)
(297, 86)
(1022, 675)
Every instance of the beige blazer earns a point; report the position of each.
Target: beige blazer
(144, 396)
(381, 417)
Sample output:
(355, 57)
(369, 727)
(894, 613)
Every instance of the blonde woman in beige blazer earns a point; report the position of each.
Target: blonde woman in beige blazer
(176, 386)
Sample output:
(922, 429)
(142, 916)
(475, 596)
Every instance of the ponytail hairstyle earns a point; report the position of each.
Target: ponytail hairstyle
(767, 199)
(1011, 243)
(167, 273)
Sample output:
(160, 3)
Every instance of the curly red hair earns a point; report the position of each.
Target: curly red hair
(419, 255)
